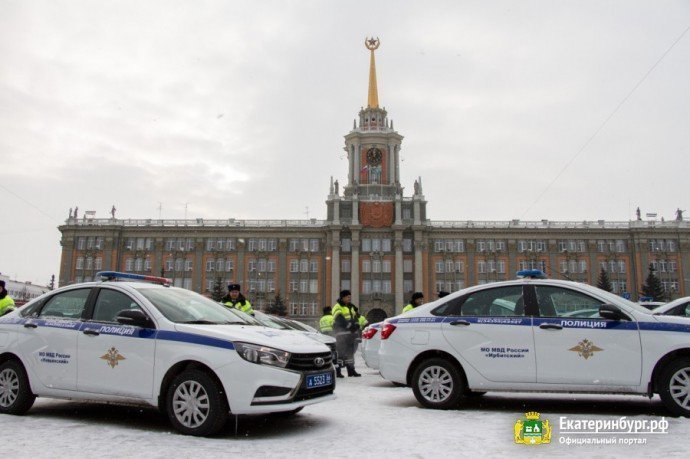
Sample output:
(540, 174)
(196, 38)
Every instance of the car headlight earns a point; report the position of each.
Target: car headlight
(262, 354)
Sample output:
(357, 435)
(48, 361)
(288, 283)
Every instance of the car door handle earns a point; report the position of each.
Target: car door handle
(460, 322)
(91, 332)
(551, 327)
(30, 326)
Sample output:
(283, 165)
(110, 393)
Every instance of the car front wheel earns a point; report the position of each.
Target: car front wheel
(674, 387)
(438, 384)
(15, 391)
(196, 404)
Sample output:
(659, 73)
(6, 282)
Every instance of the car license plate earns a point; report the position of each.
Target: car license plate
(319, 380)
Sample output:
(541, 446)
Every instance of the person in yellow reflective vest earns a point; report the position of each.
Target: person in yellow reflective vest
(345, 326)
(363, 322)
(326, 322)
(6, 301)
(417, 300)
(234, 299)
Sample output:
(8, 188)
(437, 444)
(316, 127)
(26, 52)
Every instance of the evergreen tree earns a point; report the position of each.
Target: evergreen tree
(52, 282)
(652, 286)
(277, 306)
(218, 291)
(604, 282)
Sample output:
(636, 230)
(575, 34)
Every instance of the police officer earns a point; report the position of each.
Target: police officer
(345, 326)
(6, 301)
(326, 322)
(234, 299)
(417, 300)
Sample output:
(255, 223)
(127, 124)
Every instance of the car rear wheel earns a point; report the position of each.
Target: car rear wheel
(15, 391)
(438, 384)
(674, 387)
(196, 404)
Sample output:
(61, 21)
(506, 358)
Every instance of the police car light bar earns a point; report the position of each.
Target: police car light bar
(531, 274)
(114, 275)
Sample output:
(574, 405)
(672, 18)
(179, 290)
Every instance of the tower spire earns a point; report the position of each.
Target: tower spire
(373, 99)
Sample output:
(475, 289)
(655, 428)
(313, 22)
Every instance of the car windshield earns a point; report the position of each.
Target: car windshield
(300, 326)
(269, 321)
(613, 298)
(187, 307)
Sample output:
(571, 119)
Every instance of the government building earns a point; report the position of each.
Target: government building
(375, 241)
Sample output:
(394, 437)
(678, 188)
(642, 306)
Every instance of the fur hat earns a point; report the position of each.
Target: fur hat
(232, 287)
(417, 295)
(344, 293)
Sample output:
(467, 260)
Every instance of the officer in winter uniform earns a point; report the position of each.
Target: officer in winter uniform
(417, 300)
(234, 299)
(345, 326)
(441, 294)
(326, 322)
(6, 302)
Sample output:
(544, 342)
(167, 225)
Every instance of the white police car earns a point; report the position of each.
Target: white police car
(149, 343)
(371, 341)
(524, 335)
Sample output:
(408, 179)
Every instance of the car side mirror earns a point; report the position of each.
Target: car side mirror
(612, 312)
(134, 317)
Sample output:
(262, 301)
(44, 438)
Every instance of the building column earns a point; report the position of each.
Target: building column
(198, 264)
(399, 296)
(398, 210)
(354, 287)
(335, 267)
(418, 261)
(470, 263)
(283, 269)
(239, 270)
(355, 211)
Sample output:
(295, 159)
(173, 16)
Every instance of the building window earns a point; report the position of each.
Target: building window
(407, 266)
(229, 264)
(386, 245)
(366, 245)
(147, 265)
(129, 264)
(210, 265)
(80, 263)
(376, 266)
(313, 286)
(345, 266)
(98, 264)
(460, 266)
(439, 267)
(294, 266)
(169, 264)
(271, 266)
(314, 266)
(314, 245)
(138, 265)
(251, 246)
(386, 286)
(366, 287)
(376, 245)
(366, 266)
(407, 245)
(407, 286)
(304, 266)
(386, 265)
(346, 245)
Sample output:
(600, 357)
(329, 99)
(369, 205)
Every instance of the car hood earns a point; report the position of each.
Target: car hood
(264, 336)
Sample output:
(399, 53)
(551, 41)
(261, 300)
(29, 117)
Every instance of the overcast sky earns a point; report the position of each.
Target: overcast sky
(239, 109)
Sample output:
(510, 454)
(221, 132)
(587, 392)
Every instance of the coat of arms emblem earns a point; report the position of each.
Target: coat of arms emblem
(532, 430)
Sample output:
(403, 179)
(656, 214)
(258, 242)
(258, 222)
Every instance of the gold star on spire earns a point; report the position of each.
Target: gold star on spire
(373, 99)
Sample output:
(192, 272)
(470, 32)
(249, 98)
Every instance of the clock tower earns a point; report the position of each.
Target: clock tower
(371, 205)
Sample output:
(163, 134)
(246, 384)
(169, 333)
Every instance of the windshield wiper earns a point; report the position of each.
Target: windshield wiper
(202, 322)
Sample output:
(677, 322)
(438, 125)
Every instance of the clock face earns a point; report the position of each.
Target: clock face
(374, 156)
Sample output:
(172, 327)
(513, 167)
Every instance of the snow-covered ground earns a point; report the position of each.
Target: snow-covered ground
(370, 418)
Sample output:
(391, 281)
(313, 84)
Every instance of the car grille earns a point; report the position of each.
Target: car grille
(305, 362)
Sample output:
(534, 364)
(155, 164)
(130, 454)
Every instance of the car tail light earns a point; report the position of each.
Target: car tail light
(369, 333)
(387, 331)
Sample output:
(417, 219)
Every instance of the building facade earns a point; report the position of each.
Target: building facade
(375, 241)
